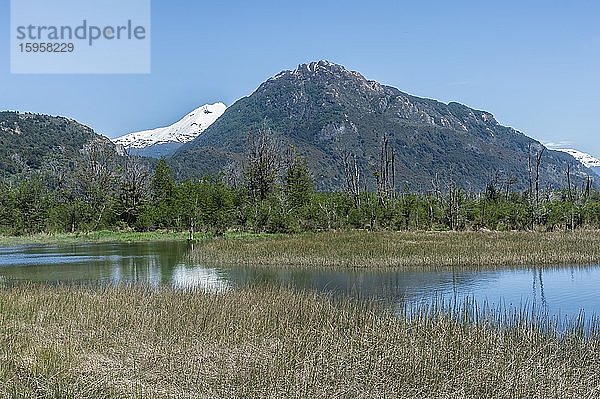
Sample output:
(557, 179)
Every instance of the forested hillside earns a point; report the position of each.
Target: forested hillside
(32, 142)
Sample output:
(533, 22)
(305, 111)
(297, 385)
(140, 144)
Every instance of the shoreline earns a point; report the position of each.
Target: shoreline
(108, 236)
(361, 249)
(405, 250)
(103, 236)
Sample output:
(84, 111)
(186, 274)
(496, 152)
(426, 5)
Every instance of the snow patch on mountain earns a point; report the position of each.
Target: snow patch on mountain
(587, 160)
(183, 131)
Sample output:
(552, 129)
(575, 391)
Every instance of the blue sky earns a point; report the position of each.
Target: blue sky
(535, 65)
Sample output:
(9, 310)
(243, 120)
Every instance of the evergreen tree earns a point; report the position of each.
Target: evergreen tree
(163, 182)
(299, 185)
(163, 189)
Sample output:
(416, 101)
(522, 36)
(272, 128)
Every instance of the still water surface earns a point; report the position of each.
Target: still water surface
(562, 292)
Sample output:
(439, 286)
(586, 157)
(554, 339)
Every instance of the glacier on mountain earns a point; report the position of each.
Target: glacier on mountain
(587, 160)
(182, 131)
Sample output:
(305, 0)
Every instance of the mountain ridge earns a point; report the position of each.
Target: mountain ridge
(323, 109)
(31, 142)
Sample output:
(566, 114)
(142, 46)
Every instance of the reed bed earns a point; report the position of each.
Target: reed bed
(269, 342)
(412, 250)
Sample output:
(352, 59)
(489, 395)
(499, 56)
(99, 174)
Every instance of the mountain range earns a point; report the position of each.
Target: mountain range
(324, 111)
(164, 141)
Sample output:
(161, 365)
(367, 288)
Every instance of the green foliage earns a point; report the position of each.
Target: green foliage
(31, 203)
(163, 182)
(217, 204)
(86, 201)
(161, 213)
(299, 185)
(57, 175)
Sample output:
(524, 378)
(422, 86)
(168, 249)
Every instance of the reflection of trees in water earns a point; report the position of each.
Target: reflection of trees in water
(146, 263)
(538, 281)
(454, 287)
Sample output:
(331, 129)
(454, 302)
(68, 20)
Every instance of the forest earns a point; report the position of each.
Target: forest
(272, 193)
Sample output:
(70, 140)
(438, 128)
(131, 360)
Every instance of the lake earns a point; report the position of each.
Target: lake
(563, 292)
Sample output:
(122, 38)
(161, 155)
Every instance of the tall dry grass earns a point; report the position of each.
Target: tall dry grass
(66, 342)
(366, 249)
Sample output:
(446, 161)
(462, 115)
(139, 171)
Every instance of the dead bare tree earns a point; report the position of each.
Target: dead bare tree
(530, 172)
(135, 188)
(534, 181)
(538, 162)
(570, 192)
(262, 163)
(385, 176)
(588, 187)
(453, 203)
(94, 181)
(352, 174)
(510, 180)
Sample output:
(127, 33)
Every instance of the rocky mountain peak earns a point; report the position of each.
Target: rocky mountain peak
(321, 70)
(323, 67)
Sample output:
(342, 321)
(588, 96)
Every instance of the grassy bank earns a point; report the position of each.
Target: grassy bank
(270, 342)
(94, 236)
(406, 249)
(118, 236)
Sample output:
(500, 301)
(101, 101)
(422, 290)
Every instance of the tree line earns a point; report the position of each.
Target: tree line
(273, 191)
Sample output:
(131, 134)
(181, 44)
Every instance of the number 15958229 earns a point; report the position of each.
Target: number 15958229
(46, 47)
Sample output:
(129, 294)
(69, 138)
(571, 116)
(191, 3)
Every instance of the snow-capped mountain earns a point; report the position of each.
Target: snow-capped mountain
(587, 160)
(165, 140)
